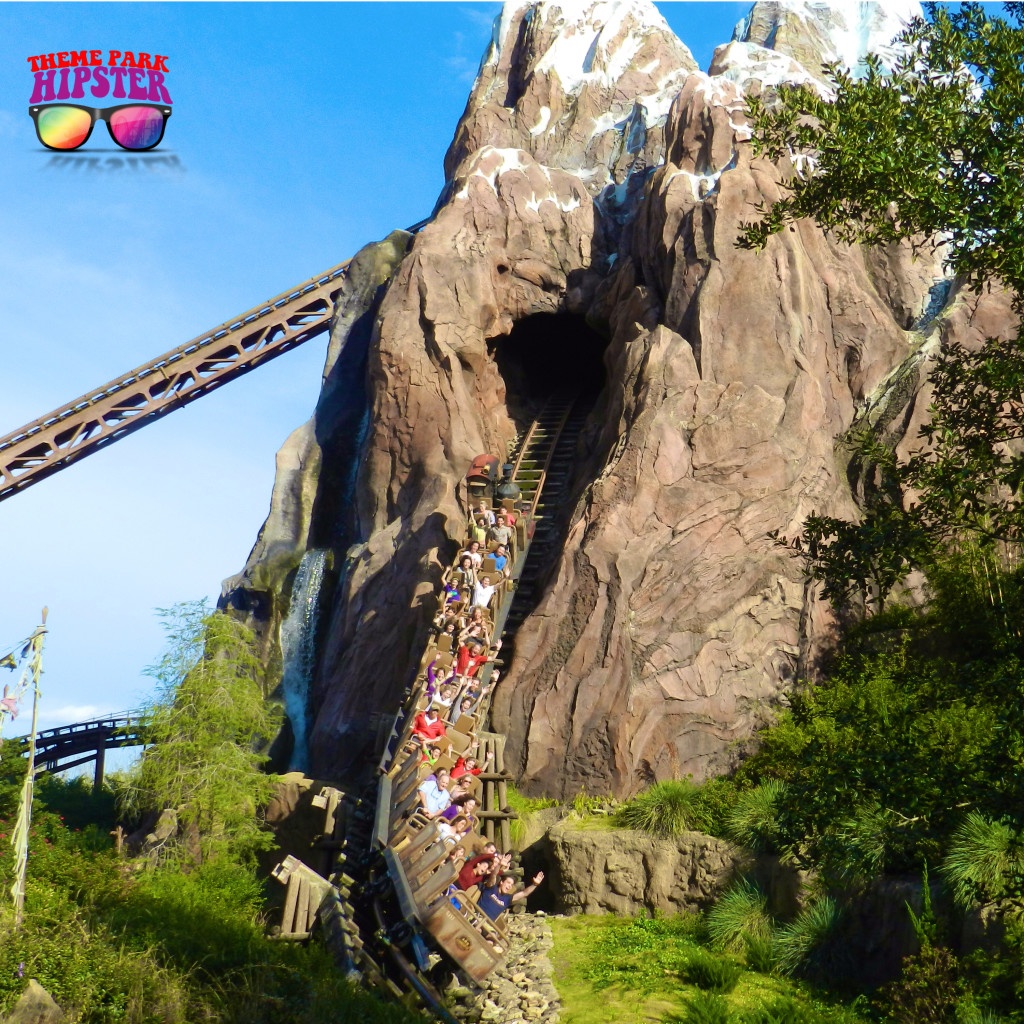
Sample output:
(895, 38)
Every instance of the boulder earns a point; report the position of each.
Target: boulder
(622, 871)
(35, 1006)
(155, 830)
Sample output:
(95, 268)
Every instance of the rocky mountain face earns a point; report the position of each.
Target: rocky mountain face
(596, 186)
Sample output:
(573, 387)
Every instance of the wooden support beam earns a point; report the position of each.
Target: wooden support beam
(97, 776)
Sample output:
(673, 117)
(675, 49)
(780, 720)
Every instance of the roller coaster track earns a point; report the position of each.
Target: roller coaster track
(553, 458)
(104, 415)
(386, 904)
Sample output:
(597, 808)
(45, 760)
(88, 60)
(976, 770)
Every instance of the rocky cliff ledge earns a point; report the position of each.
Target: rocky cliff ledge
(596, 185)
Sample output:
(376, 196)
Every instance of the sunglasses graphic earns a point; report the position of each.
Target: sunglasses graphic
(134, 126)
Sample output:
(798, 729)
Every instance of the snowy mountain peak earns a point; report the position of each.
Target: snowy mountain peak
(815, 33)
(580, 41)
(581, 85)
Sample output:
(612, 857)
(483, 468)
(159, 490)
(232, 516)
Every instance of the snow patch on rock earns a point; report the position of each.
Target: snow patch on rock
(746, 63)
(587, 46)
(542, 122)
(491, 163)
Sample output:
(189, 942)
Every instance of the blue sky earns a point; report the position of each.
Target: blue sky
(300, 132)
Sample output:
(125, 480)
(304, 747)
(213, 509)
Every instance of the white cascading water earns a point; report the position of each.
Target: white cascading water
(298, 648)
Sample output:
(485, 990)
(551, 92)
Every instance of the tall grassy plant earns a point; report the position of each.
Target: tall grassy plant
(985, 860)
(802, 946)
(782, 1010)
(740, 914)
(712, 973)
(668, 808)
(705, 1008)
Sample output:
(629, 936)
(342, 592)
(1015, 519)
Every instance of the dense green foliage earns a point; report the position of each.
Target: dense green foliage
(883, 761)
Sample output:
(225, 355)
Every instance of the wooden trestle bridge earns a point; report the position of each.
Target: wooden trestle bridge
(378, 893)
(71, 746)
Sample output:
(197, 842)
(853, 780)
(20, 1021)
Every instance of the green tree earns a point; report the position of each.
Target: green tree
(930, 152)
(207, 734)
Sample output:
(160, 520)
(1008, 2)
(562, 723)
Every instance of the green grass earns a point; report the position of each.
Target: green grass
(611, 970)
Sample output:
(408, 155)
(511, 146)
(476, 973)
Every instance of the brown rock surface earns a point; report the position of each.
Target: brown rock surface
(626, 872)
(731, 374)
(672, 624)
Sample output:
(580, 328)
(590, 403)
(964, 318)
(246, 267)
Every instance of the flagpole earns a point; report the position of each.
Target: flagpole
(24, 823)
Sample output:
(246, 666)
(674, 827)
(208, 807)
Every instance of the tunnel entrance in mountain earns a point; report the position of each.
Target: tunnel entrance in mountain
(553, 362)
(546, 354)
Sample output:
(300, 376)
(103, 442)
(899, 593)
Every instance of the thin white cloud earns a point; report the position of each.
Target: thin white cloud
(68, 714)
(51, 718)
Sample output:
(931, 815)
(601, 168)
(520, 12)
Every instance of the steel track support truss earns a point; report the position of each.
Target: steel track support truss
(113, 411)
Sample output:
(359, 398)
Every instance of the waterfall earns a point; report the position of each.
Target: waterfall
(298, 648)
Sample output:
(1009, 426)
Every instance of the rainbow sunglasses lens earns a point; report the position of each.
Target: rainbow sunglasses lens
(132, 126)
(63, 127)
(137, 127)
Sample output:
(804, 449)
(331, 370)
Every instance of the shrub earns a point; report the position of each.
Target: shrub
(985, 861)
(759, 953)
(997, 976)
(805, 944)
(714, 801)
(740, 914)
(667, 808)
(928, 990)
(753, 821)
(855, 850)
(782, 1010)
(712, 973)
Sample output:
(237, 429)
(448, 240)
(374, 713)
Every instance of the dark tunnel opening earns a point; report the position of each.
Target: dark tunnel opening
(546, 354)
